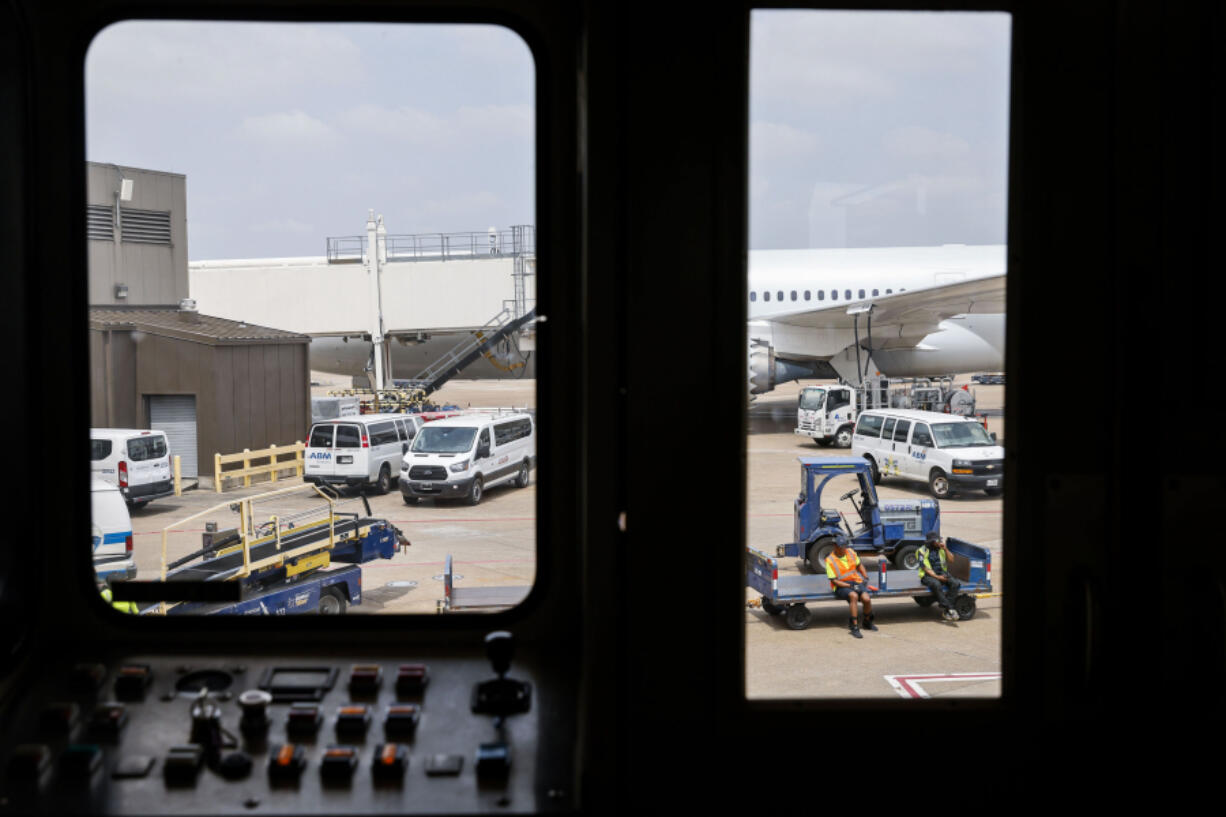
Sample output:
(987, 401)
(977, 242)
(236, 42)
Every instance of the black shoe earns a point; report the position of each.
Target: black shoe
(855, 632)
(867, 624)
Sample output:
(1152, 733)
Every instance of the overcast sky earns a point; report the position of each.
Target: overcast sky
(867, 128)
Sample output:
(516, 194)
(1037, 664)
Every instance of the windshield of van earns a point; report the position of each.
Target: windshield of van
(960, 435)
(146, 448)
(99, 449)
(444, 439)
(811, 399)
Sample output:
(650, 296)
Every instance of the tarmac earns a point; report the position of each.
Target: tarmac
(914, 654)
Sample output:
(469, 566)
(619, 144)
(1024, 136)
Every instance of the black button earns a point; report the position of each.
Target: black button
(338, 764)
(235, 766)
(352, 720)
(303, 720)
(132, 681)
(390, 762)
(411, 679)
(364, 679)
(79, 760)
(182, 764)
(107, 720)
(493, 760)
(286, 762)
(401, 720)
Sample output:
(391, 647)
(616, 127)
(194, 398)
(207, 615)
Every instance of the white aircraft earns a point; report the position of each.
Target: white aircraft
(900, 311)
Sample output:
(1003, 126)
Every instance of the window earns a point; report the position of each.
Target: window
(780, 295)
(889, 292)
(847, 295)
(875, 293)
(900, 432)
(821, 294)
(807, 295)
(766, 296)
(348, 436)
(838, 399)
(921, 435)
(887, 430)
(383, 433)
(870, 425)
(514, 430)
(793, 295)
(99, 449)
(753, 296)
(204, 142)
(321, 436)
(147, 448)
(834, 294)
(861, 294)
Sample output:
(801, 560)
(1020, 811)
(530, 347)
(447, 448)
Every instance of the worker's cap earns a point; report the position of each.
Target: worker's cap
(840, 540)
(933, 536)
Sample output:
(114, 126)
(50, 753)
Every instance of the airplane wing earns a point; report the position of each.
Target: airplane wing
(901, 320)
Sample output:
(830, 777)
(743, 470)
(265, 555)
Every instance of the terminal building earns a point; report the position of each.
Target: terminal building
(213, 384)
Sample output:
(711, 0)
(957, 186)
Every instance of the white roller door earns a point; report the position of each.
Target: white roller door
(175, 415)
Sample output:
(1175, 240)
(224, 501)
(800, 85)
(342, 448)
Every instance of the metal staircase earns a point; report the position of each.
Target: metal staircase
(473, 346)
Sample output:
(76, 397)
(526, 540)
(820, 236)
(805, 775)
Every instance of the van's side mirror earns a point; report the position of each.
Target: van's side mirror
(483, 450)
(404, 449)
(993, 436)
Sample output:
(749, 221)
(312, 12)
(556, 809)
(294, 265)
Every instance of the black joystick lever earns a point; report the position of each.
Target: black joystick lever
(502, 695)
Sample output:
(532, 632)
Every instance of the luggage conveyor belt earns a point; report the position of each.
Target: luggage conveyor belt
(231, 561)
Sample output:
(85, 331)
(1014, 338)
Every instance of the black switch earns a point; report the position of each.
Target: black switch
(411, 679)
(390, 762)
(303, 720)
(86, 678)
(401, 720)
(286, 763)
(79, 761)
(338, 764)
(364, 679)
(132, 681)
(502, 695)
(493, 761)
(352, 720)
(107, 720)
(182, 764)
(28, 762)
(58, 718)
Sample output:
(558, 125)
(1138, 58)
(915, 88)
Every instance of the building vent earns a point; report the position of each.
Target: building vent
(100, 222)
(145, 226)
(187, 305)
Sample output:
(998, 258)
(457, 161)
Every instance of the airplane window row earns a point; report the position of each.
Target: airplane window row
(821, 295)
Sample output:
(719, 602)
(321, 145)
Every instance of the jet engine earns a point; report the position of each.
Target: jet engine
(766, 372)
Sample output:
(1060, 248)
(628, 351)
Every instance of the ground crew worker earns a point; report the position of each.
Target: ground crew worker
(849, 581)
(108, 597)
(934, 574)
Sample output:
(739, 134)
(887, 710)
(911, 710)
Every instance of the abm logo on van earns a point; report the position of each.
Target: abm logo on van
(319, 455)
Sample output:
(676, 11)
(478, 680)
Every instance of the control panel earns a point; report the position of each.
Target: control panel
(426, 733)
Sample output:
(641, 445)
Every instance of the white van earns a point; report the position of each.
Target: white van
(949, 452)
(464, 456)
(112, 531)
(359, 451)
(135, 460)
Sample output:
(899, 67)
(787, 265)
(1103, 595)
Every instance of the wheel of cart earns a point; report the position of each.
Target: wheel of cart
(771, 608)
(798, 616)
(965, 605)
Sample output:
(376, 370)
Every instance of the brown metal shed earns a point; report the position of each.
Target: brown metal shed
(244, 386)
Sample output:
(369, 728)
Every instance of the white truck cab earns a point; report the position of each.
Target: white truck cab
(135, 460)
(111, 529)
(462, 457)
(359, 451)
(949, 452)
(827, 414)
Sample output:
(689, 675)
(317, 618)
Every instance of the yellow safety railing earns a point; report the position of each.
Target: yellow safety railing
(273, 464)
(248, 535)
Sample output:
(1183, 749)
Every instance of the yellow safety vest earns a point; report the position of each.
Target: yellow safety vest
(844, 569)
(121, 606)
(924, 564)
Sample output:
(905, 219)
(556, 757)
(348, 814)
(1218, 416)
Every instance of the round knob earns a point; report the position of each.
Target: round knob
(253, 703)
(500, 649)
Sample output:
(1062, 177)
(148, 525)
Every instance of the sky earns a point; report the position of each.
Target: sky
(867, 128)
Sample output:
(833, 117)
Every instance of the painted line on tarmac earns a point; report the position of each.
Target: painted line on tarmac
(912, 686)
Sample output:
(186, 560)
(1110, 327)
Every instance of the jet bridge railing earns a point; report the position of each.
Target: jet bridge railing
(517, 241)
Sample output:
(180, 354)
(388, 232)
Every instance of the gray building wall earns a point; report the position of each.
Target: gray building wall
(155, 274)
